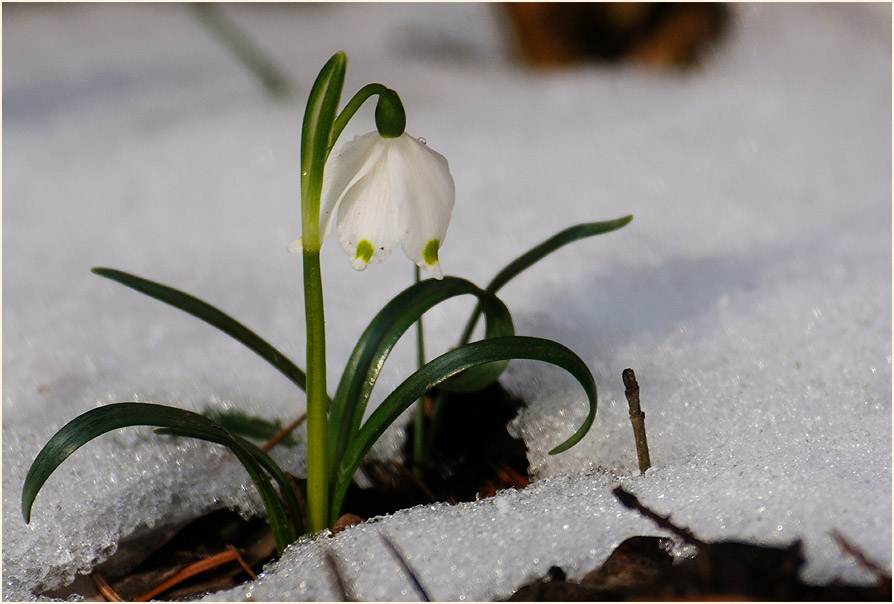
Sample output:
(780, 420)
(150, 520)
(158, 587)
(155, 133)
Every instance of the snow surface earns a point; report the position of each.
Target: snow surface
(751, 293)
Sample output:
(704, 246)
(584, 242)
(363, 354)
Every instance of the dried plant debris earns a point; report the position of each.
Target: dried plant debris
(214, 552)
(643, 568)
(665, 35)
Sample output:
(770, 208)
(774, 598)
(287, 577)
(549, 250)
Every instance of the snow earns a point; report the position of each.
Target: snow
(751, 293)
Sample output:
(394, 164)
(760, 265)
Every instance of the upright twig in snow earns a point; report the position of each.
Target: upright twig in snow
(637, 418)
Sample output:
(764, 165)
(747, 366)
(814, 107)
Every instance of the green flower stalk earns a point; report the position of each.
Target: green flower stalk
(382, 189)
(319, 118)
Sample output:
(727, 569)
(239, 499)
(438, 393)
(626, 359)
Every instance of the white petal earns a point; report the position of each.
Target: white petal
(347, 164)
(369, 212)
(388, 191)
(426, 193)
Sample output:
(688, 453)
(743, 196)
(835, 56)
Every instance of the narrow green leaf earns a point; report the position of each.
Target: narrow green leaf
(212, 316)
(374, 346)
(250, 426)
(321, 109)
(443, 368)
(316, 131)
(539, 252)
(255, 460)
(96, 422)
(283, 533)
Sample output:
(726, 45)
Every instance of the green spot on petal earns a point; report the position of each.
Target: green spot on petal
(430, 253)
(365, 250)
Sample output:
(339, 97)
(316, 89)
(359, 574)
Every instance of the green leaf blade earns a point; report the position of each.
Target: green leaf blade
(80, 431)
(171, 420)
(211, 315)
(450, 364)
(249, 426)
(538, 253)
(256, 462)
(383, 332)
(316, 132)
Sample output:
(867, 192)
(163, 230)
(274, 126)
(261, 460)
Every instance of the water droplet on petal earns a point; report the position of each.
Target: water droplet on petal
(422, 140)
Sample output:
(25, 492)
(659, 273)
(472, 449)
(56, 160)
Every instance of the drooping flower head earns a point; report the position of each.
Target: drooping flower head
(384, 191)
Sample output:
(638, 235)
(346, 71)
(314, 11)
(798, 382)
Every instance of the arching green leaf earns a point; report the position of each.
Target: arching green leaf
(443, 368)
(96, 422)
(539, 252)
(211, 315)
(374, 346)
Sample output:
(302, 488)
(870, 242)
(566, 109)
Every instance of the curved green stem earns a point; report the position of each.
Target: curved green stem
(355, 103)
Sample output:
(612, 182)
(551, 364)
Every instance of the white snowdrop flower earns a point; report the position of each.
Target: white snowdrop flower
(385, 192)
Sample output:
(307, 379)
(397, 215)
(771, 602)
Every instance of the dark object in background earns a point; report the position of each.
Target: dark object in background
(657, 34)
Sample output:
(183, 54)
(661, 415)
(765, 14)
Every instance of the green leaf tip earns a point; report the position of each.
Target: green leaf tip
(211, 315)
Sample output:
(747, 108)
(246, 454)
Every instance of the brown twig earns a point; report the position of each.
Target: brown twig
(882, 576)
(508, 476)
(630, 500)
(518, 481)
(187, 572)
(242, 563)
(283, 433)
(637, 418)
(104, 588)
(415, 479)
(296, 490)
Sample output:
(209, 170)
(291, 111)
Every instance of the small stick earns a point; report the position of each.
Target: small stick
(242, 563)
(509, 476)
(638, 419)
(415, 479)
(631, 501)
(187, 572)
(104, 588)
(302, 503)
(852, 550)
(283, 433)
